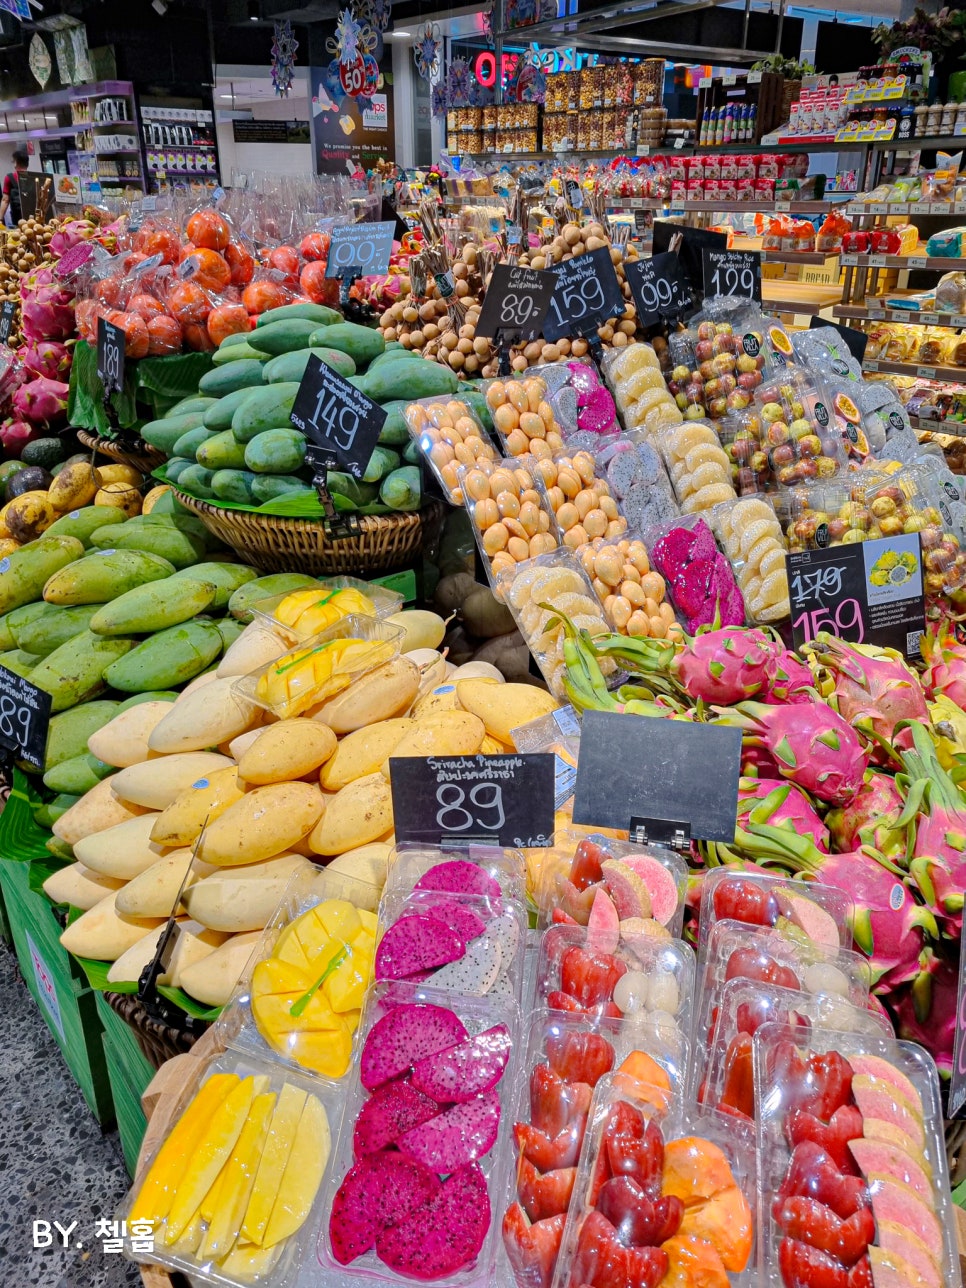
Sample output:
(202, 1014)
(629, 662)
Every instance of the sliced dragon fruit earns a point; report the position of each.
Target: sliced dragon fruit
(378, 1191)
(457, 1136)
(393, 1110)
(466, 1069)
(405, 1034)
(583, 380)
(660, 884)
(445, 1235)
(459, 876)
(467, 923)
(476, 971)
(627, 890)
(416, 943)
(604, 926)
(598, 412)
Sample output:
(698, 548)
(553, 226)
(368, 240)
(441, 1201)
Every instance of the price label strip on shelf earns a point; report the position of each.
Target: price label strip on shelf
(342, 426)
(24, 715)
(359, 250)
(474, 800)
(867, 593)
(515, 304)
(653, 776)
(586, 293)
(8, 311)
(732, 272)
(660, 289)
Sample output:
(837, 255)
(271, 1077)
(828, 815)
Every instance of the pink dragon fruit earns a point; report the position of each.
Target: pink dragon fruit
(699, 577)
(42, 401)
(46, 307)
(788, 680)
(69, 235)
(936, 809)
(783, 805)
(405, 1034)
(871, 818)
(16, 434)
(945, 673)
(874, 689)
(50, 358)
(436, 1240)
(724, 666)
(811, 744)
(925, 1010)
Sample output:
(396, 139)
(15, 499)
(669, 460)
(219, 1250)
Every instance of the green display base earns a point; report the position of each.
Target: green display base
(129, 1073)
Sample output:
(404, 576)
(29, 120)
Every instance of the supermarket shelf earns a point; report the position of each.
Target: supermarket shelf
(797, 146)
(945, 141)
(785, 256)
(934, 263)
(60, 132)
(727, 207)
(955, 320)
(944, 208)
(99, 125)
(956, 375)
(62, 97)
(798, 297)
(953, 428)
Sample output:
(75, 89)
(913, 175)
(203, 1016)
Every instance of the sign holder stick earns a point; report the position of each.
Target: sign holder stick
(336, 525)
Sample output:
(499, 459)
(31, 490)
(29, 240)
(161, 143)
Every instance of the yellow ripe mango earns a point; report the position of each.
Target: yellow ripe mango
(96, 811)
(103, 934)
(504, 707)
(207, 1160)
(285, 750)
(359, 813)
(346, 986)
(303, 1174)
(123, 741)
(152, 892)
(236, 1181)
(278, 1145)
(155, 784)
(209, 1204)
(442, 698)
(369, 921)
(122, 851)
(383, 693)
(493, 747)
(157, 1190)
(339, 918)
(317, 1039)
(187, 1244)
(368, 863)
(263, 823)
(448, 733)
(362, 752)
(209, 716)
(212, 980)
(182, 821)
(246, 1261)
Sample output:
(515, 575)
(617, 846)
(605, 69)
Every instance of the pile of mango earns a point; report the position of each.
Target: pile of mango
(273, 795)
(234, 442)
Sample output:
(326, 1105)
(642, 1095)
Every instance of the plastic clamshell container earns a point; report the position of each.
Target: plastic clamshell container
(751, 536)
(657, 992)
(524, 414)
(491, 929)
(566, 1057)
(295, 1249)
(410, 867)
(448, 433)
(557, 868)
(701, 1161)
(238, 1026)
(475, 1016)
(386, 602)
(828, 921)
(509, 511)
(381, 643)
(910, 1194)
(744, 1005)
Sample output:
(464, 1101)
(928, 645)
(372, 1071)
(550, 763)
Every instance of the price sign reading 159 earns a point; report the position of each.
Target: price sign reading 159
(586, 293)
(337, 417)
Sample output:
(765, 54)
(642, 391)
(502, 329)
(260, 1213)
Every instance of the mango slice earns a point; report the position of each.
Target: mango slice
(278, 1145)
(303, 1173)
(223, 1130)
(236, 1181)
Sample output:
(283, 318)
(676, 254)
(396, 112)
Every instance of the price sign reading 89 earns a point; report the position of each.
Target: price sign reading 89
(659, 287)
(24, 717)
(360, 250)
(485, 814)
(516, 302)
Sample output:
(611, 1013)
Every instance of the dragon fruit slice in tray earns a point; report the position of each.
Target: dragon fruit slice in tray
(478, 870)
(422, 1157)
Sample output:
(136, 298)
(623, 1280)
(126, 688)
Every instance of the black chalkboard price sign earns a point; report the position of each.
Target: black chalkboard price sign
(337, 417)
(733, 272)
(659, 287)
(516, 302)
(24, 717)
(358, 250)
(507, 800)
(586, 293)
(8, 311)
(110, 356)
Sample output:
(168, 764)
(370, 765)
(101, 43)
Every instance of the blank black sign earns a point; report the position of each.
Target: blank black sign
(649, 768)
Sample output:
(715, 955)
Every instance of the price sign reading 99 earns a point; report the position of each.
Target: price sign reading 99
(586, 293)
(659, 287)
(360, 250)
(24, 717)
(516, 302)
(733, 272)
(337, 417)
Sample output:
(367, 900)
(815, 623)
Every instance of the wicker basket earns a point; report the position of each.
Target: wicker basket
(144, 458)
(275, 544)
(159, 1042)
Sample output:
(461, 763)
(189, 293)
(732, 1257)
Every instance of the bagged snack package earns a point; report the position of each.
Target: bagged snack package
(951, 293)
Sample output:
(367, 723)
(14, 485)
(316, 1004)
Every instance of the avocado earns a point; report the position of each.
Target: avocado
(32, 479)
(46, 452)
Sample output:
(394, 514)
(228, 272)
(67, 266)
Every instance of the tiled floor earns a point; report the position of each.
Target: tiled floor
(55, 1163)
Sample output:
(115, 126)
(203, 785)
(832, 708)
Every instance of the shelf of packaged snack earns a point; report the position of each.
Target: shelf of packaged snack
(870, 314)
(907, 208)
(99, 125)
(956, 375)
(725, 207)
(808, 298)
(820, 257)
(933, 263)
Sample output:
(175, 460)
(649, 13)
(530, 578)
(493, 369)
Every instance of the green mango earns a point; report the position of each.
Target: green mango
(173, 470)
(196, 481)
(75, 671)
(361, 343)
(287, 334)
(230, 629)
(234, 486)
(220, 414)
(276, 451)
(54, 627)
(275, 583)
(21, 618)
(68, 733)
(236, 338)
(196, 402)
(153, 607)
(320, 314)
(411, 453)
(25, 572)
(104, 575)
(168, 659)
(243, 374)
(47, 815)
(60, 849)
(81, 523)
(236, 353)
(267, 408)
(179, 548)
(221, 451)
(188, 444)
(77, 775)
(7, 641)
(149, 695)
(164, 433)
(20, 662)
(268, 487)
(395, 431)
(291, 366)
(181, 520)
(382, 462)
(411, 380)
(401, 490)
(225, 577)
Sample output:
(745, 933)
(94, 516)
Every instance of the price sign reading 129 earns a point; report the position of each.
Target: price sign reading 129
(586, 293)
(337, 416)
(733, 272)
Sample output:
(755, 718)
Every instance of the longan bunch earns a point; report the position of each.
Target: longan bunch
(581, 502)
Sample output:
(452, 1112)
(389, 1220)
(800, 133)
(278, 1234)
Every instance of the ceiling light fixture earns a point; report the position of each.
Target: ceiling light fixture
(159, 7)
(254, 12)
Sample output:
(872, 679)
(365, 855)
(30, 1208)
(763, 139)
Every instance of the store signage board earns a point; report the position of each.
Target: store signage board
(733, 272)
(657, 771)
(481, 800)
(8, 311)
(337, 417)
(855, 340)
(957, 1083)
(659, 287)
(110, 356)
(693, 242)
(24, 714)
(360, 250)
(870, 592)
(516, 302)
(586, 293)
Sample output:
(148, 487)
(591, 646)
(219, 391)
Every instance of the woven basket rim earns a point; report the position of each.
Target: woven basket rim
(367, 522)
(150, 456)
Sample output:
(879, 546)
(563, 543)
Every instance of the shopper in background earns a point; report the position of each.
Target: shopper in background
(10, 204)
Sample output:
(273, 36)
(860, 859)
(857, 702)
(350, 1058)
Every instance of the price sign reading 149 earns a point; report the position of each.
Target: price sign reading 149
(337, 417)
